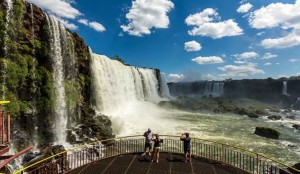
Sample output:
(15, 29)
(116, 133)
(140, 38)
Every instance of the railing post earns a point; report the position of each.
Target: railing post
(3, 127)
(8, 127)
(257, 164)
(222, 153)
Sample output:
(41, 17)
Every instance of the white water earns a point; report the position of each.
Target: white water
(284, 88)
(119, 92)
(164, 87)
(3, 77)
(126, 94)
(216, 89)
(9, 8)
(60, 111)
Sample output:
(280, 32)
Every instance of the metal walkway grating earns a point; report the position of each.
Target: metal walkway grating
(169, 164)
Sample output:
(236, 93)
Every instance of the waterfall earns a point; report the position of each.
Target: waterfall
(3, 77)
(32, 28)
(9, 6)
(7, 21)
(216, 89)
(208, 90)
(284, 88)
(128, 95)
(164, 87)
(60, 111)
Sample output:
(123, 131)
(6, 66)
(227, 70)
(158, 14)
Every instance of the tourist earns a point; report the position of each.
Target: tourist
(148, 141)
(186, 146)
(156, 148)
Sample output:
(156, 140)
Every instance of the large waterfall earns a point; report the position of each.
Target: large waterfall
(57, 32)
(216, 89)
(126, 94)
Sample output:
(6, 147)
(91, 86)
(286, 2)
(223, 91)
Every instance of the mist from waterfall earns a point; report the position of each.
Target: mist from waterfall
(215, 89)
(60, 111)
(128, 95)
(284, 88)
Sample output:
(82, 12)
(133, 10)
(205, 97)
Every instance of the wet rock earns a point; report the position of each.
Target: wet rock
(267, 132)
(296, 126)
(274, 117)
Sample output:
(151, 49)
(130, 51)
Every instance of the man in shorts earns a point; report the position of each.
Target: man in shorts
(148, 142)
(186, 146)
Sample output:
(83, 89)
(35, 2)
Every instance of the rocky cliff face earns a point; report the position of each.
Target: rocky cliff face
(266, 90)
(27, 80)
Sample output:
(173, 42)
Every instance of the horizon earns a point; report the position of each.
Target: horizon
(188, 41)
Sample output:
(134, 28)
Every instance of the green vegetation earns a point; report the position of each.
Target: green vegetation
(118, 58)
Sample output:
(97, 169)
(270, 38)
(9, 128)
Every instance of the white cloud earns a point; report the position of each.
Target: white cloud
(147, 14)
(260, 33)
(246, 55)
(208, 60)
(60, 8)
(298, 74)
(267, 64)
(205, 24)
(269, 56)
(244, 8)
(192, 46)
(69, 25)
(292, 39)
(277, 63)
(293, 60)
(281, 15)
(175, 77)
(282, 75)
(240, 71)
(239, 62)
(95, 25)
(83, 21)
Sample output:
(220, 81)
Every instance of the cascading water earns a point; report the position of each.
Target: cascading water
(164, 87)
(127, 95)
(9, 7)
(207, 90)
(284, 88)
(60, 111)
(216, 89)
(3, 81)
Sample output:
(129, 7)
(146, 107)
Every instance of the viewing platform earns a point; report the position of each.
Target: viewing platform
(123, 155)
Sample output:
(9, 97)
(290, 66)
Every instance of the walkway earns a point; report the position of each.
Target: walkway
(168, 164)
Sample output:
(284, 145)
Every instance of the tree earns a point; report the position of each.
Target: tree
(118, 58)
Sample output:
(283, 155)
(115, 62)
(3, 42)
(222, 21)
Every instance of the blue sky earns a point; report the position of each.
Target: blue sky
(190, 39)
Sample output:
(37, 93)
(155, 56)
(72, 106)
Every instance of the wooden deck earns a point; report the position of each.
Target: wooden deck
(168, 164)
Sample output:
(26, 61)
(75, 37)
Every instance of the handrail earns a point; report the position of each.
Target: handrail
(170, 136)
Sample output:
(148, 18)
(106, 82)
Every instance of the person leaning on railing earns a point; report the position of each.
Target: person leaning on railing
(185, 137)
(156, 148)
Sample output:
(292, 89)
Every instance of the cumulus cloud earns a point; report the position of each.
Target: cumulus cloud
(95, 25)
(290, 40)
(175, 77)
(281, 15)
(267, 64)
(240, 71)
(206, 24)
(244, 8)
(208, 60)
(246, 55)
(268, 56)
(60, 8)
(69, 25)
(147, 14)
(192, 46)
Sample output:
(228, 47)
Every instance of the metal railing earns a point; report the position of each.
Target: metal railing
(233, 156)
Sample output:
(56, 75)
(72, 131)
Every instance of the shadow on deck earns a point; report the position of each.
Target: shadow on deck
(168, 164)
